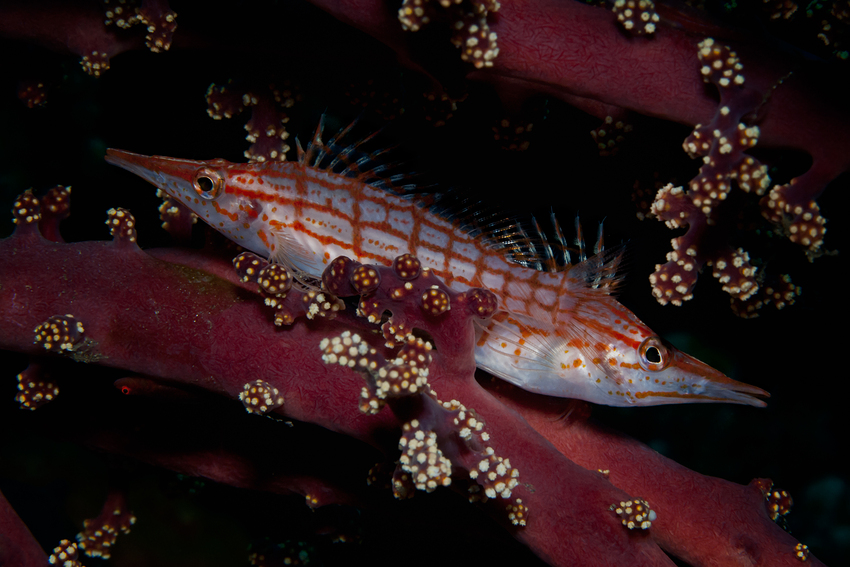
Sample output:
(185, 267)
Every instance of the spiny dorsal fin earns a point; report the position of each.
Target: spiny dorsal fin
(520, 238)
(352, 159)
(601, 271)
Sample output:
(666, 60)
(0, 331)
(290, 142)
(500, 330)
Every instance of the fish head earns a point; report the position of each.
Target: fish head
(601, 352)
(665, 374)
(223, 194)
(631, 365)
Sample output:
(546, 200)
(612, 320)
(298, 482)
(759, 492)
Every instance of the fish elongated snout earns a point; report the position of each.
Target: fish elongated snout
(169, 174)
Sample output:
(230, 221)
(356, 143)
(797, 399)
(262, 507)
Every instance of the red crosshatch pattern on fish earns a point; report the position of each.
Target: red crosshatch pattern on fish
(559, 331)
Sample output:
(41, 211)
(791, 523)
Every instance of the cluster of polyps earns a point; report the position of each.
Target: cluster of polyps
(437, 437)
(434, 429)
(721, 144)
(275, 284)
(471, 31)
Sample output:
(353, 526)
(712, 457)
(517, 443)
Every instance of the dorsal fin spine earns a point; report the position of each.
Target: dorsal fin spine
(582, 256)
(559, 236)
(600, 240)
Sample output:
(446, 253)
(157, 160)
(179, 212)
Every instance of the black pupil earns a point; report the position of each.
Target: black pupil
(653, 355)
(205, 184)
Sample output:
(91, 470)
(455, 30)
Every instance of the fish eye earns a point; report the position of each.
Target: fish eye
(208, 183)
(653, 354)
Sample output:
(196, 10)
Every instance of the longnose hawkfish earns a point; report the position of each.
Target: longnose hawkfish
(558, 330)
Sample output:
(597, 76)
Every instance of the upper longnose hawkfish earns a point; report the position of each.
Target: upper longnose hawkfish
(558, 332)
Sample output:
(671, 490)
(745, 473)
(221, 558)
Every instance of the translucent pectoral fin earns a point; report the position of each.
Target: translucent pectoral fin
(531, 355)
(305, 265)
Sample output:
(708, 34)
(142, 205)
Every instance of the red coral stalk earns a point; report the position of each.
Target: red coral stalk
(17, 546)
(570, 519)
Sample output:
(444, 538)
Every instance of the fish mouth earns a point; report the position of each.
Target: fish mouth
(740, 393)
(163, 172)
(135, 163)
(711, 385)
(121, 158)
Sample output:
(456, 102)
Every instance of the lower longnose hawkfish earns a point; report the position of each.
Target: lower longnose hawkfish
(558, 330)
